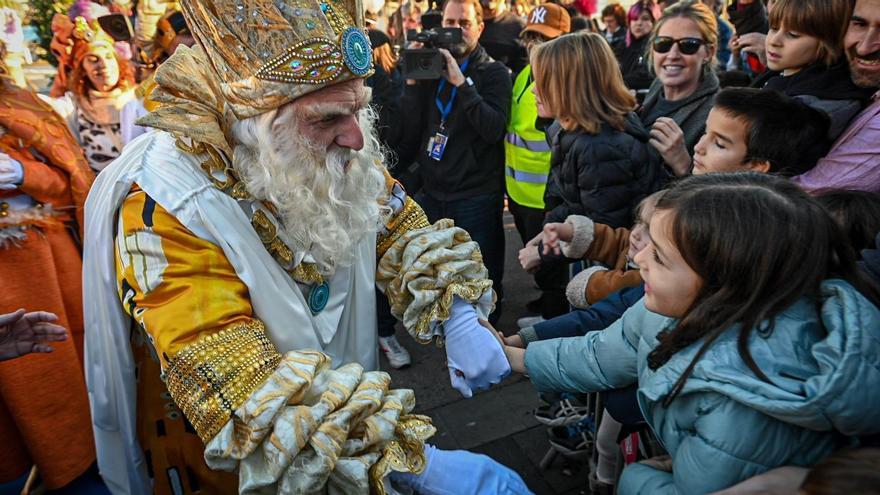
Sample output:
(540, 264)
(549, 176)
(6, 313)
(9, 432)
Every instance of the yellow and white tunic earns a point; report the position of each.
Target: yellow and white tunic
(280, 395)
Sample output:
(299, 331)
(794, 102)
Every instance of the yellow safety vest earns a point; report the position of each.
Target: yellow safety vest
(526, 152)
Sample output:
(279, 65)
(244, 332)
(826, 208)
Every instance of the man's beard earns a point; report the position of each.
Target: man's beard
(327, 201)
(863, 79)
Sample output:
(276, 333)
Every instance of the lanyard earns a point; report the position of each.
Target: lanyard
(447, 108)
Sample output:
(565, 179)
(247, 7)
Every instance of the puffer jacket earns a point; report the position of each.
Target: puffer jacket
(727, 425)
(602, 176)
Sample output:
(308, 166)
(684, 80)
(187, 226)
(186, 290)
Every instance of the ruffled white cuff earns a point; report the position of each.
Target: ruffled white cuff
(583, 232)
(309, 428)
(576, 290)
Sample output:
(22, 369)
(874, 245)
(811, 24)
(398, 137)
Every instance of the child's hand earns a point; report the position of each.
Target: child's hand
(515, 341)
(529, 258)
(555, 232)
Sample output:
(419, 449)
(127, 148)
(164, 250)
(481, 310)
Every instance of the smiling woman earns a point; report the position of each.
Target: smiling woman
(682, 54)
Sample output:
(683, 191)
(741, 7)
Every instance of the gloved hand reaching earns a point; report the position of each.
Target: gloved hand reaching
(459, 472)
(472, 350)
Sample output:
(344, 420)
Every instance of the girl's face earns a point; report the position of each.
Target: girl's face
(638, 236)
(102, 69)
(789, 51)
(543, 109)
(642, 26)
(671, 286)
(680, 73)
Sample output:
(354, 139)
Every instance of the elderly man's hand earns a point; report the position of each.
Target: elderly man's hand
(453, 71)
(475, 358)
(23, 333)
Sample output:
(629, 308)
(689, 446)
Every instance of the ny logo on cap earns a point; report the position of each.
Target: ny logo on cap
(538, 15)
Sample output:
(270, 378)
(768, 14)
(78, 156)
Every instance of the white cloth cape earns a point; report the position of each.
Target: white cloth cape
(345, 330)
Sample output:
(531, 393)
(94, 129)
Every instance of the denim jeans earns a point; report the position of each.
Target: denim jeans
(481, 217)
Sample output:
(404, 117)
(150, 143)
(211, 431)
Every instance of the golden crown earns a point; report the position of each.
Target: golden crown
(266, 53)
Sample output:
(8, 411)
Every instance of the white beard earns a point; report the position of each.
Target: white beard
(328, 201)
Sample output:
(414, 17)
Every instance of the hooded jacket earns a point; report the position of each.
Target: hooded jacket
(602, 176)
(727, 425)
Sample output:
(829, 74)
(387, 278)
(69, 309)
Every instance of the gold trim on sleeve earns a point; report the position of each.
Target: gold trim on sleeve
(411, 217)
(210, 378)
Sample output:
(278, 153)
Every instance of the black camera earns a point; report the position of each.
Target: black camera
(428, 62)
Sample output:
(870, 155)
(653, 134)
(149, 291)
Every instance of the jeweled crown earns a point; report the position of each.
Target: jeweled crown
(266, 53)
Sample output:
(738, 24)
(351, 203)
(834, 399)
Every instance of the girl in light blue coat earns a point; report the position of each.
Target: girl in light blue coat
(757, 343)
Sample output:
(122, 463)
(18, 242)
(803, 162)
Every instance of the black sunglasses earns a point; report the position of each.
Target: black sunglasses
(687, 46)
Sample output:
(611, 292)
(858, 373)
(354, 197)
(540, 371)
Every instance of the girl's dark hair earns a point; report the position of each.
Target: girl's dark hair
(759, 243)
(845, 473)
(857, 213)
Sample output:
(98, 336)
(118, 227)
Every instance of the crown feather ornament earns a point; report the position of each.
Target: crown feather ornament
(266, 53)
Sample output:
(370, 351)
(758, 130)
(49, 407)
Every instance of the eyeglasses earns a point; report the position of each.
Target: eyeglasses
(687, 46)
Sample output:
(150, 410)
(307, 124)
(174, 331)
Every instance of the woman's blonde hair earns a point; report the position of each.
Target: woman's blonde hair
(579, 79)
(702, 16)
(384, 56)
(825, 20)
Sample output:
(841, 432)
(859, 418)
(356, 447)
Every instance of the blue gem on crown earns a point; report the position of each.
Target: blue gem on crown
(356, 51)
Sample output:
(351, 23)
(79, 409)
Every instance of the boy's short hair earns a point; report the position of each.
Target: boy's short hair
(782, 131)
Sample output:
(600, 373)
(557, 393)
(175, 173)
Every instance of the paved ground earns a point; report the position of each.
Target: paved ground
(497, 422)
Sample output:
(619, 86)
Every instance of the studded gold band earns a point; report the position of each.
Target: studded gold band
(411, 217)
(210, 378)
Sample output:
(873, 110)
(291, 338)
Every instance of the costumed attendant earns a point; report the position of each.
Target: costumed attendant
(171, 32)
(93, 84)
(243, 243)
(44, 179)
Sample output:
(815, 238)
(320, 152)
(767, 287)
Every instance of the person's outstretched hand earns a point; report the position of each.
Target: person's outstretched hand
(529, 257)
(23, 333)
(554, 233)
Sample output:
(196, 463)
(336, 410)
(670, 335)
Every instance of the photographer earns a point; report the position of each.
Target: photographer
(454, 128)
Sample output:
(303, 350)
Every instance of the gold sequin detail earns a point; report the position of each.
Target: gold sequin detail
(411, 217)
(470, 291)
(406, 453)
(210, 378)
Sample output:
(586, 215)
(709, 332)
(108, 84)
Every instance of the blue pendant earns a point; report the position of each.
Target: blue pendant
(318, 298)
(356, 51)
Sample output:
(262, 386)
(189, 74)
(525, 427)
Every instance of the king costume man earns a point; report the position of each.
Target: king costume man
(230, 263)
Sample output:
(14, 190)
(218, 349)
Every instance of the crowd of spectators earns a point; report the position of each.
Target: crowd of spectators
(696, 186)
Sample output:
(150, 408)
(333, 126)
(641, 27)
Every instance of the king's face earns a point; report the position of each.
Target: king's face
(329, 116)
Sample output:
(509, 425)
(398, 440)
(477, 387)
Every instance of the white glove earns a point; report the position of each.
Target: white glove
(11, 173)
(473, 350)
(459, 472)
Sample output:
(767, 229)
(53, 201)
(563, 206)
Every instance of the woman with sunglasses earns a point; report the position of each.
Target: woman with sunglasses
(682, 56)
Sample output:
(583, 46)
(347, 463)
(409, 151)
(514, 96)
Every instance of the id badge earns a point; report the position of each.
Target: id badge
(438, 146)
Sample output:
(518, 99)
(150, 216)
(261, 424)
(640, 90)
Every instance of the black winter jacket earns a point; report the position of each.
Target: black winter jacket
(473, 162)
(602, 176)
(634, 63)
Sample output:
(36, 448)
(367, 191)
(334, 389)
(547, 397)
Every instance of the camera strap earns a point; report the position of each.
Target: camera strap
(446, 109)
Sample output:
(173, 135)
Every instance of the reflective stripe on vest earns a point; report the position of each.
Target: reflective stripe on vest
(521, 176)
(535, 146)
